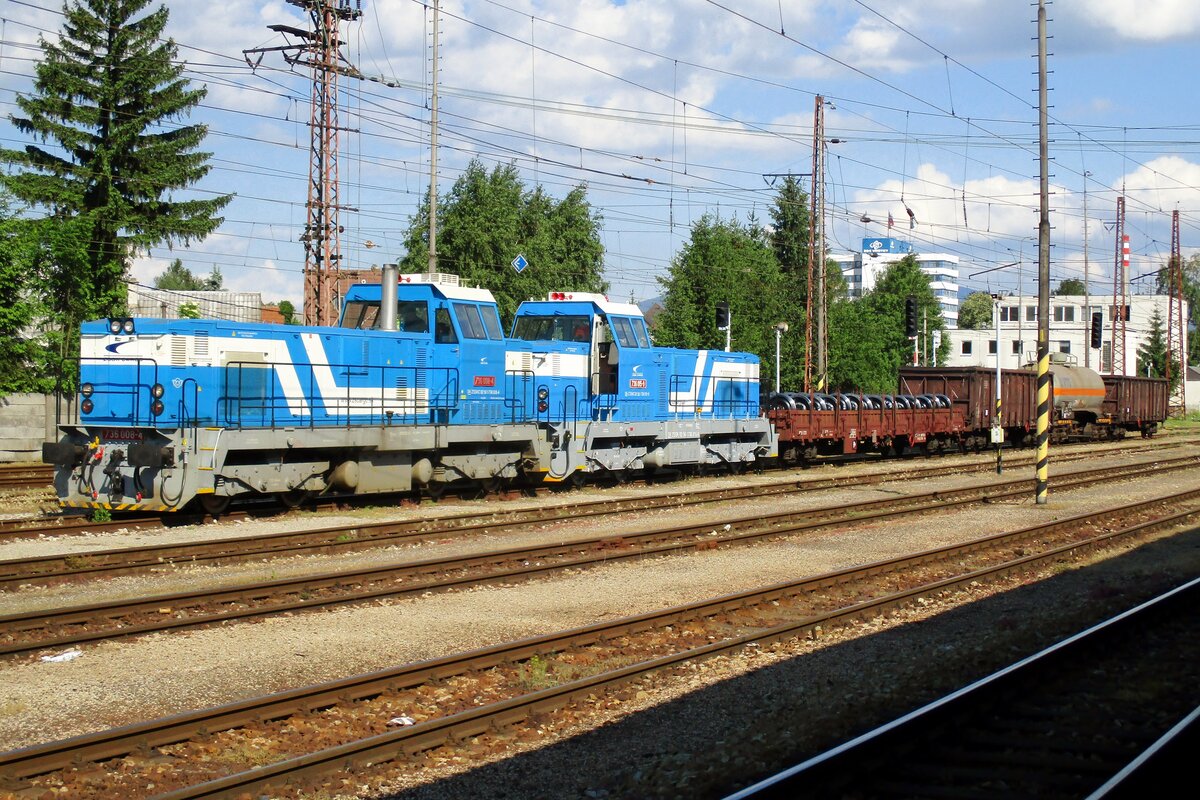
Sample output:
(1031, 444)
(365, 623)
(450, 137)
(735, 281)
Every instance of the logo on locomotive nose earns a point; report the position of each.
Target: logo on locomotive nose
(112, 348)
(637, 370)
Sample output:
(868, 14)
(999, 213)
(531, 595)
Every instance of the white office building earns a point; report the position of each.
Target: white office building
(1070, 332)
(863, 269)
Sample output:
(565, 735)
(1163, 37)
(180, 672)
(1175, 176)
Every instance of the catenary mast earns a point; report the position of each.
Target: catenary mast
(320, 50)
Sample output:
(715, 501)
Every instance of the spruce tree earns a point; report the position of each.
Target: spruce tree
(107, 97)
(1153, 354)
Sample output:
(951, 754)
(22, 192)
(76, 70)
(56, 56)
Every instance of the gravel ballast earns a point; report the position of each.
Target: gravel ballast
(116, 683)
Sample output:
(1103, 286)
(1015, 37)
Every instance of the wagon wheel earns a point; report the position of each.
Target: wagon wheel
(293, 498)
(215, 504)
(578, 479)
(434, 491)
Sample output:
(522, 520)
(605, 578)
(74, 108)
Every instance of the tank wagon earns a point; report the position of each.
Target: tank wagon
(418, 387)
(1085, 405)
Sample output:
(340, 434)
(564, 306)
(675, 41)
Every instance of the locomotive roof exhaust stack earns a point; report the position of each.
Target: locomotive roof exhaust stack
(387, 300)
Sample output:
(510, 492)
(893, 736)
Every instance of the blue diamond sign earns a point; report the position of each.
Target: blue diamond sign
(520, 263)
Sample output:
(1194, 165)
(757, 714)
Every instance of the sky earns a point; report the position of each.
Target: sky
(670, 111)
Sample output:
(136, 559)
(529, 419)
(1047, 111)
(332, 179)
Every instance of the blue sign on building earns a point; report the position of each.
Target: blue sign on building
(884, 244)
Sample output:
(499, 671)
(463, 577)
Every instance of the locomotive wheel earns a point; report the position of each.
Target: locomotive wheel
(215, 504)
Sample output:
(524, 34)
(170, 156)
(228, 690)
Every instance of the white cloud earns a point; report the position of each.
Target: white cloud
(1145, 21)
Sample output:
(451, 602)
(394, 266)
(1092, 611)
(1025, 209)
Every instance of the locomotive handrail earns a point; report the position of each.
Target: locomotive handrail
(571, 401)
(731, 406)
(262, 403)
(602, 406)
(519, 407)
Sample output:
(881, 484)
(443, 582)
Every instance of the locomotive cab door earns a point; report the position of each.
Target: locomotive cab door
(605, 356)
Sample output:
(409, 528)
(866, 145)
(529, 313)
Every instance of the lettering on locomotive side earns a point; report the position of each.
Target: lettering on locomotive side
(485, 380)
(637, 383)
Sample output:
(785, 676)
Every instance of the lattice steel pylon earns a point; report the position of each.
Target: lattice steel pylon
(1176, 324)
(1120, 292)
(320, 50)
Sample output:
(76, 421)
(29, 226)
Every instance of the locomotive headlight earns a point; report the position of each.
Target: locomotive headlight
(156, 391)
(156, 407)
(87, 406)
(114, 326)
(127, 326)
(543, 394)
(87, 389)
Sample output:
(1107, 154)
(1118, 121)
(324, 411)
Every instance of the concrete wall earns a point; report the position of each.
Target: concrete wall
(26, 420)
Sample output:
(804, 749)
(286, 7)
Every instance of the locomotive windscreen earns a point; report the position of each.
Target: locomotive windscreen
(564, 328)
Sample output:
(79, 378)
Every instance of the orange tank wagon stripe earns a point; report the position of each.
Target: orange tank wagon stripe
(1078, 392)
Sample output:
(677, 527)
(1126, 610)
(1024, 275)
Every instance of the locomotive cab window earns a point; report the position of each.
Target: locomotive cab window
(565, 328)
(470, 321)
(491, 322)
(361, 315)
(443, 327)
(639, 329)
(412, 316)
(624, 332)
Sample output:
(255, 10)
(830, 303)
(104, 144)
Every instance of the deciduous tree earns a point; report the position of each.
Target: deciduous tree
(887, 302)
(975, 312)
(22, 350)
(178, 278)
(489, 218)
(723, 261)
(1071, 286)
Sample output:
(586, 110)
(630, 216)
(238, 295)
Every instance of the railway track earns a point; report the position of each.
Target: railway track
(65, 525)
(342, 725)
(28, 632)
(342, 538)
(1108, 712)
(26, 476)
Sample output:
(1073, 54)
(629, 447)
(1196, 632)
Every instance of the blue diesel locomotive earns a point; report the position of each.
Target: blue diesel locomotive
(417, 387)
